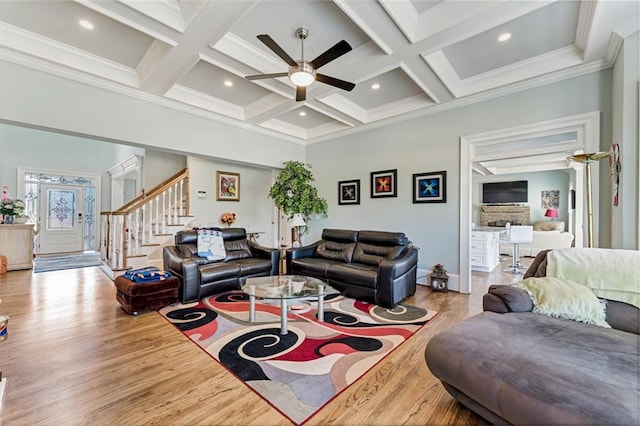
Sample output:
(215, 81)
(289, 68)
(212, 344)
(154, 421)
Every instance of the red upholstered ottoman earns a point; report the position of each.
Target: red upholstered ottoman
(139, 297)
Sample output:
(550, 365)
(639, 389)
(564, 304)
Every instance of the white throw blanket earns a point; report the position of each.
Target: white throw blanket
(611, 274)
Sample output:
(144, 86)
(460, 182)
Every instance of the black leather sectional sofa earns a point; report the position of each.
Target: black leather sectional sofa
(200, 277)
(375, 266)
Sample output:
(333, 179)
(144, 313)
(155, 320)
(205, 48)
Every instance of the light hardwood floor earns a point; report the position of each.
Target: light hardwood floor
(74, 357)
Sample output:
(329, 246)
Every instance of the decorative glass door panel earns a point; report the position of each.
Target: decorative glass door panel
(61, 209)
(61, 224)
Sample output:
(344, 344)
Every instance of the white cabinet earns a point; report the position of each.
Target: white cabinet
(16, 242)
(485, 250)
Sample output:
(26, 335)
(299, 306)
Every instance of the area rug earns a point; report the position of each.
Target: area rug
(300, 372)
(69, 261)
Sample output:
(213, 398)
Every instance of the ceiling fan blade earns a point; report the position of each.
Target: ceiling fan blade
(261, 76)
(339, 49)
(301, 93)
(271, 44)
(336, 82)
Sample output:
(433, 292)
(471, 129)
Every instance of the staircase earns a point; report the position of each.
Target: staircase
(134, 235)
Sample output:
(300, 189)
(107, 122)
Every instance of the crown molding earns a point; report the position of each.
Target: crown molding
(210, 103)
(613, 48)
(346, 106)
(402, 106)
(409, 72)
(151, 60)
(586, 16)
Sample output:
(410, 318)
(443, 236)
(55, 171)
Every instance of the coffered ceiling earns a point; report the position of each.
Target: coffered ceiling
(409, 58)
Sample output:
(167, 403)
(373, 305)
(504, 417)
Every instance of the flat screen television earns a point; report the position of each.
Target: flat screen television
(504, 192)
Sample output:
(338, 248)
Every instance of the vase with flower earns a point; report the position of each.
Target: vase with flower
(228, 219)
(10, 207)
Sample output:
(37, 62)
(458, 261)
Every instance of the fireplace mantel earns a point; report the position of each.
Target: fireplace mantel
(512, 213)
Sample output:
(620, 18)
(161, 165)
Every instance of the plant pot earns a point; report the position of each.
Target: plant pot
(21, 220)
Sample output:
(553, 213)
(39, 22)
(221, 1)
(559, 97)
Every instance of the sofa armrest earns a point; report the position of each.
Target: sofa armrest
(391, 269)
(300, 252)
(186, 269)
(263, 252)
(623, 316)
(506, 298)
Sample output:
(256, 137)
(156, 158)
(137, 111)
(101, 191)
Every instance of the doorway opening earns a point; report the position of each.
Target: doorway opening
(517, 146)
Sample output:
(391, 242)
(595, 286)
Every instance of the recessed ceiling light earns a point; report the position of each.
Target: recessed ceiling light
(85, 24)
(228, 83)
(302, 113)
(375, 86)
(504, 37)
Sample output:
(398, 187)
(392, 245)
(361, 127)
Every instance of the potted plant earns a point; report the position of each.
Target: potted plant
(294, 194)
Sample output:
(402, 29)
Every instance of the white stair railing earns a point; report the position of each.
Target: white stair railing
(123, 232)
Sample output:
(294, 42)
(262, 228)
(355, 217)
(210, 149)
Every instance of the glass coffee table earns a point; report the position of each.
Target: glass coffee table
(286, 288)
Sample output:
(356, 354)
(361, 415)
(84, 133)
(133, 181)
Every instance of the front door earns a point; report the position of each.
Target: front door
(61, 219)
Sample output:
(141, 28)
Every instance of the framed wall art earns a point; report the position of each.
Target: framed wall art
(349, 192)
(430, 187)
(383, 183)
(550, 199)
(227, 186)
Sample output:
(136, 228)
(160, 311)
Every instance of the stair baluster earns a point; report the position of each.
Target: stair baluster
(126, 231)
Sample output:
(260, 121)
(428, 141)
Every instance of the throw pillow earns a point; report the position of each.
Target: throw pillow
(560, 298)
(210, 244)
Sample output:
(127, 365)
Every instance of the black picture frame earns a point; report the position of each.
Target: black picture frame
(384, 183)
(430, 187)
(349, 192)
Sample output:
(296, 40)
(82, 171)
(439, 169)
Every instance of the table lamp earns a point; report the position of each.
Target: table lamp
(297, 222)
(552, 213)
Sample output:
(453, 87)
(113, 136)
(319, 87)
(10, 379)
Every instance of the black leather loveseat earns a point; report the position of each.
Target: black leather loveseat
(375, 266)
(200, 277)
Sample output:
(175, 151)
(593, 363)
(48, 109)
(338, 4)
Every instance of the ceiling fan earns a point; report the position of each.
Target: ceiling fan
(302, 73)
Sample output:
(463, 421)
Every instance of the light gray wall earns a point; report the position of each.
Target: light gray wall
(37, 149)
(624, 217)
(431, 143)
(537, 182)
(254, 210)
(159, 166)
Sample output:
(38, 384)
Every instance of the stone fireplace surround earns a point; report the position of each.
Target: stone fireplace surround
(499, 214)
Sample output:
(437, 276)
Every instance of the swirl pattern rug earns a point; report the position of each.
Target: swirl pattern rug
(300, 372)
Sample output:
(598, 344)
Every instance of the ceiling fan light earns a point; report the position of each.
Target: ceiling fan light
(301, 78)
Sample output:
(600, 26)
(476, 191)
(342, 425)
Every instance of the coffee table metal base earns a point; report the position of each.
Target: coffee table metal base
(284, 310)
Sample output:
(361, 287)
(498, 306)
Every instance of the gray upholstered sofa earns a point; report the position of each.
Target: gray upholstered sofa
(375, 266)
(200, 277)
(512, 366)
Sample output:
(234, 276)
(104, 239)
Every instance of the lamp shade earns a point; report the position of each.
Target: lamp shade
(297, 220)
(551, 213)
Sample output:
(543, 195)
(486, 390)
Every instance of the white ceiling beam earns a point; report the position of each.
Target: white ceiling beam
(211, 24)
(166, 12)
